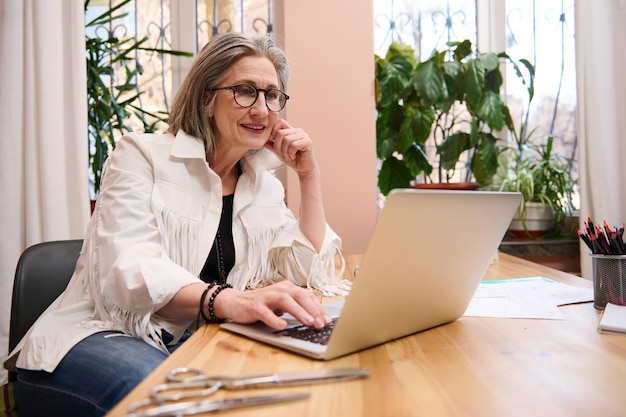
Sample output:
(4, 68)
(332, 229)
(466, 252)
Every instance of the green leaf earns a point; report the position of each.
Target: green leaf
(493, 81)
(485, 160)
(451, 71)
(393, 174)
(429, 83)
(401, 49)
(405, 136)
(508, 120)
(417, 160)
(488, 62)
(473, 82)
(386, 142)
(388, 123)
(462, 50)
(491, 110)
(451, 148)
(394, 77)
(419, 122)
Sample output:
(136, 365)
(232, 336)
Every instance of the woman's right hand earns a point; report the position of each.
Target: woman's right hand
(267, 304)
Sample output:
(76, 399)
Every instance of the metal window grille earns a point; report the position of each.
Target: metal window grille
(154, 20)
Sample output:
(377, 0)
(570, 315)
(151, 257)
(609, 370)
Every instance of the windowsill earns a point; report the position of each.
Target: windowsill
(563, 255)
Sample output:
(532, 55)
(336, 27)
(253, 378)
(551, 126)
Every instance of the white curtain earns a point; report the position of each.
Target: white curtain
(43, 148)
(600, 61)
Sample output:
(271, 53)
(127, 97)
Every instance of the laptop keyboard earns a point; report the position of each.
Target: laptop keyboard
(309, 334)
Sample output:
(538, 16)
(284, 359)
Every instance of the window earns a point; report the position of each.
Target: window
(542, 32)
(142, 18)
(130, 88)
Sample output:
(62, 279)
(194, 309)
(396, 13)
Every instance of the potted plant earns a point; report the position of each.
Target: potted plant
(113, 93)
(538, 172)
(452, 99)
(544, 179)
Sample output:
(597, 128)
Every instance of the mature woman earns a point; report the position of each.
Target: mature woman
(188, 225)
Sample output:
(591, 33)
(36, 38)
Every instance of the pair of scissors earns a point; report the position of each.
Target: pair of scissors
(198, 407)
(184, 383)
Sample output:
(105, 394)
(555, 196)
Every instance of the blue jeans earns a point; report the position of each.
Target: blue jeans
(90, 380)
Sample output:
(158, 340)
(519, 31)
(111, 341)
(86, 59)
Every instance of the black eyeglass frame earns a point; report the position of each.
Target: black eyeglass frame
(233, 88)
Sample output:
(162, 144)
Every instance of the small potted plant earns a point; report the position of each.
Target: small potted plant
(452, 100)
(544, 179)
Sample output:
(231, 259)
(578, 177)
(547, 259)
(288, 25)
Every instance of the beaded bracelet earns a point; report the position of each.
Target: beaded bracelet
(214, 318)
(203, 298)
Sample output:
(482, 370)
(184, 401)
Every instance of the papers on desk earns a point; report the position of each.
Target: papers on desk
(530, 298)
(613, 319)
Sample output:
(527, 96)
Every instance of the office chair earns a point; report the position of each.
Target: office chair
(43, 271)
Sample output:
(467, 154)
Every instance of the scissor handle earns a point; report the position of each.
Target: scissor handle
(175, 391)
(185, 374)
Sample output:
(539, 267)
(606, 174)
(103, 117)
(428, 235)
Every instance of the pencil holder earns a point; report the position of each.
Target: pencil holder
(609, 280)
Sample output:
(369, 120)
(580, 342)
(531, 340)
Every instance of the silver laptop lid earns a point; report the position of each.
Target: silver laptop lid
(428, 253)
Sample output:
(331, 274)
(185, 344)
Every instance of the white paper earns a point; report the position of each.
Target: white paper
(530, 298)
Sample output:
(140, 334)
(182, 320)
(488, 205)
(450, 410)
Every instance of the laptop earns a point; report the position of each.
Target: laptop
(429, 251)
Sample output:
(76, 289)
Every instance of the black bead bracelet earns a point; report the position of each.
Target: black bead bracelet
(203, 298)
(212, 315)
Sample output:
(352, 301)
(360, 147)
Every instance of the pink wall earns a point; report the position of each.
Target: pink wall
(330, 48)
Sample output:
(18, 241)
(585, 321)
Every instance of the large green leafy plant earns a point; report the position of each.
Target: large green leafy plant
(113, 93)
(452, 99)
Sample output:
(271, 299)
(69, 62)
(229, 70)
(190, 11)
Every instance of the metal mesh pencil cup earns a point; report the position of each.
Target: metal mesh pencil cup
(609, 280)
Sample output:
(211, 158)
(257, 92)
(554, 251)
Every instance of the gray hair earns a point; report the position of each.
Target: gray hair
(189, 110)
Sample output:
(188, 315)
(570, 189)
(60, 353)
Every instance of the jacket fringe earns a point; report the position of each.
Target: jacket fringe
(260, 269)
(112, 317)
(324, 274)
(179, 238)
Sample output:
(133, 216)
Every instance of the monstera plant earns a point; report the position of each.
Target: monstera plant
(452, 101)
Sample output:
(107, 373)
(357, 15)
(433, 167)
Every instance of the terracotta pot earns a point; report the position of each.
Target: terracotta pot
(447, 186)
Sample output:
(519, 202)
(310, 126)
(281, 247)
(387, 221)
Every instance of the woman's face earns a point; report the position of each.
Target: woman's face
(245, 127)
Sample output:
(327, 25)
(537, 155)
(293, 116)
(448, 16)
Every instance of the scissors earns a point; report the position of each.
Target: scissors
(197, 407)
(184, 383)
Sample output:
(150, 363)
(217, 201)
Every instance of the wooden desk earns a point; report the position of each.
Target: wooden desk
(472, 367)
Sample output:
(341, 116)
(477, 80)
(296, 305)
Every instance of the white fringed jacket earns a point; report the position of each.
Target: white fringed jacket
(151, 231)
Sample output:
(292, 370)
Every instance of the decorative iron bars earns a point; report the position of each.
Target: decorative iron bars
(154, 20)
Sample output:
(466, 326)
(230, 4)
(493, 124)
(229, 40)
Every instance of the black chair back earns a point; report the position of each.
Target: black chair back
(43, 272)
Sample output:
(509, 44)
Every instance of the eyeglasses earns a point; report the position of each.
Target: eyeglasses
(246, 95)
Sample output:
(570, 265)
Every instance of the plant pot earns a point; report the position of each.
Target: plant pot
(447, 186)
(536, 221)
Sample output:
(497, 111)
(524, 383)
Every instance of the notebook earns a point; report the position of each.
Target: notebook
(429, 251)
(613, 319)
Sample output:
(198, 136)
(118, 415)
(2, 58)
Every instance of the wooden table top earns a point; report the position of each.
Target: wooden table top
(471, 367)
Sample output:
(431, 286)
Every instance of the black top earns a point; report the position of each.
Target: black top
(222, 256)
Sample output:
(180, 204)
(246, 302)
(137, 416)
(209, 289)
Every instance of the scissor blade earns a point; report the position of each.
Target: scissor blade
(197, 407)
(298, 377)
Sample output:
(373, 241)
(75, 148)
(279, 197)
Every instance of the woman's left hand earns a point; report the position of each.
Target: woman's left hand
(293, 146)
(268, 304)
